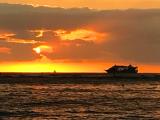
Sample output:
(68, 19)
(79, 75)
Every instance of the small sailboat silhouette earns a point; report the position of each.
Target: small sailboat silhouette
(54, 71)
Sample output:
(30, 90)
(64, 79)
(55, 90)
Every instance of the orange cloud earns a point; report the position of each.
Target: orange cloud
(12, 40)
(96, 4)
(5, 50)
(6, 35)
(39, 32)
(82, 34)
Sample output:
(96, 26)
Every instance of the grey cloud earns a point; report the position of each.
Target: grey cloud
(134, 34)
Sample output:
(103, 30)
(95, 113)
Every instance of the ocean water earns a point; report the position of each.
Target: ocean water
(115, 101)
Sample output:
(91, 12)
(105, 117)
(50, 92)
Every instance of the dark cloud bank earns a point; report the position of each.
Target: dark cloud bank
(134, 35)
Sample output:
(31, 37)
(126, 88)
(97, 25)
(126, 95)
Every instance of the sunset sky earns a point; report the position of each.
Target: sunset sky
(79, 35)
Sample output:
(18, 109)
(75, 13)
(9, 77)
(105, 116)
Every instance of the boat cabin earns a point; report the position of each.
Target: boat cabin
(122, 69)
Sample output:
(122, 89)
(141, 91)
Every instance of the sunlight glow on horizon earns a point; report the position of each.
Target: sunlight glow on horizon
(86, 67)
(37, 67)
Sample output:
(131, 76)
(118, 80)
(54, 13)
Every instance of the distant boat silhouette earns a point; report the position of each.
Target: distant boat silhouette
(54, 71)
(122, 69)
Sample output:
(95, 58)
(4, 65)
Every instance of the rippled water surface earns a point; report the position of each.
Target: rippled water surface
(121, 100)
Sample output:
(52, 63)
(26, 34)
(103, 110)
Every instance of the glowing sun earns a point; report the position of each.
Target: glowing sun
(43, 49)
(37, 50)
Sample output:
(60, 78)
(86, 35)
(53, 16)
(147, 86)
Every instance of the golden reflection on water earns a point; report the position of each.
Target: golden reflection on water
(81, 101)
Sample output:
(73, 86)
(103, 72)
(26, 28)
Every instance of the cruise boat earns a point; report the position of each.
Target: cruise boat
(122, 69)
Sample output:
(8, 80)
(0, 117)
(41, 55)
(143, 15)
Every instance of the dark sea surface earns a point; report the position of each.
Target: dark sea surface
(117, 100)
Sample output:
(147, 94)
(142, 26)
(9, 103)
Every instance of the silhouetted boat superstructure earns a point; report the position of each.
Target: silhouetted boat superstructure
(122, 69)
